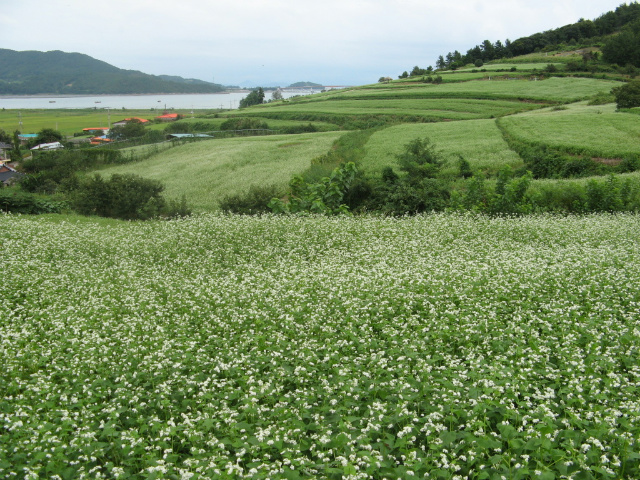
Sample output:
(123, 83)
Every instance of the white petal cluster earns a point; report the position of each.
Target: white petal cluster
(437, 346)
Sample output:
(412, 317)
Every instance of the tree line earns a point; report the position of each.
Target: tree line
(620, 49)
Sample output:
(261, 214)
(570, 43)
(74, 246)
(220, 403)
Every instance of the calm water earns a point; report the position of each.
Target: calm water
(160, 102)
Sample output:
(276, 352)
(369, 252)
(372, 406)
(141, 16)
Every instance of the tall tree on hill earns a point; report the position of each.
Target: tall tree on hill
(624, 48)
(256, 97)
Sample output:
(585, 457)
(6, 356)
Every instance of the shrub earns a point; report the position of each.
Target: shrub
(20, 202)
(324, 197)
(563, 197)
(254, 201)
(464, 167)
(428, 195)
(629, 164)
(419, 159)
(627, 95)
(509, 196)
(128, 197)
(604, 196)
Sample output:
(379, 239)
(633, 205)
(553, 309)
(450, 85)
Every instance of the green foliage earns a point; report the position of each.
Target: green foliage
(6, 137)
(46, 135)
(604, 196)
(627, 95)
(255, 97)
(190, 127)
(624, 48)
(49, 171)
(324, 197)
(20, 202)
(602, 99)
(412, 197)
(419, 160)
(507, 197)
(132, 129)
(349, 147)
(127, 197)
(227, 347)
(464, 167)
(255, 201)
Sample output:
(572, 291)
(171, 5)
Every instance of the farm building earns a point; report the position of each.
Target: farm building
(132, 119)
(48, 146)
(179, 136)
(26, 137)
(8, 175)
(4, 147)
(168, 117)
(95, 130)
(100, 140)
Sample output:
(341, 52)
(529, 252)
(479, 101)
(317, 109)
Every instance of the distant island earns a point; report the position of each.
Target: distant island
(61, 73)
(304, 84)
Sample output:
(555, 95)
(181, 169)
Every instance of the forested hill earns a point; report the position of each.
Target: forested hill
(56, 72)
(617, 32)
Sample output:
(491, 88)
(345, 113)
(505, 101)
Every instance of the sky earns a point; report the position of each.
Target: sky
(278, 42)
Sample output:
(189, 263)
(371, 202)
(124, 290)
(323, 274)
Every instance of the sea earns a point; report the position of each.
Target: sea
(196, 101)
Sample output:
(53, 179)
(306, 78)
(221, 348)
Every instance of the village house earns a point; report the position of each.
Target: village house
(132, 119)
(8, 175)
(168, 117)
(48, 146)
(4, 148)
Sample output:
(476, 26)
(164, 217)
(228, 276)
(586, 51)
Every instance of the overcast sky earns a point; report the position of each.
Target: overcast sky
(278, 42)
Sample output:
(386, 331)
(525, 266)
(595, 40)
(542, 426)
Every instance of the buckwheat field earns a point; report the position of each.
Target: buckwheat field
(438, 346)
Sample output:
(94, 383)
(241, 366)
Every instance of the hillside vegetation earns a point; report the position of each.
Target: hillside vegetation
(495, 121)
(61, 73)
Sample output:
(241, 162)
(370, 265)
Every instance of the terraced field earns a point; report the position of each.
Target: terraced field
(209, 170)
(598, 131)
(478, 141)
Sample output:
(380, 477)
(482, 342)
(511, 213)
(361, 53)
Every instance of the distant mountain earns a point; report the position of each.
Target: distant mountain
(56, 72)
(304, 84)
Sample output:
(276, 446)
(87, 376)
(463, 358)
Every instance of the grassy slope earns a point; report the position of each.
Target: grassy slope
(207, 171)
(595, 130)
(478, 141)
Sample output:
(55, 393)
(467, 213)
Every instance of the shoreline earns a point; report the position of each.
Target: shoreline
(87, 95)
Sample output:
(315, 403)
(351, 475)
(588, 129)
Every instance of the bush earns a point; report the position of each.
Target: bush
(604, 196)
(420, 159)
(565, 197)
(627, 95)
(20, 202)
(128, 197)
(325, 197)
(254, 201)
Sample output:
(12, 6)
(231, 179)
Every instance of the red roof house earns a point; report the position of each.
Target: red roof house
(132, 119)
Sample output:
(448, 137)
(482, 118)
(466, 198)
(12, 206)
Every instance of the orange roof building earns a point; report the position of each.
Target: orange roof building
(132, 119)
(168, 117)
